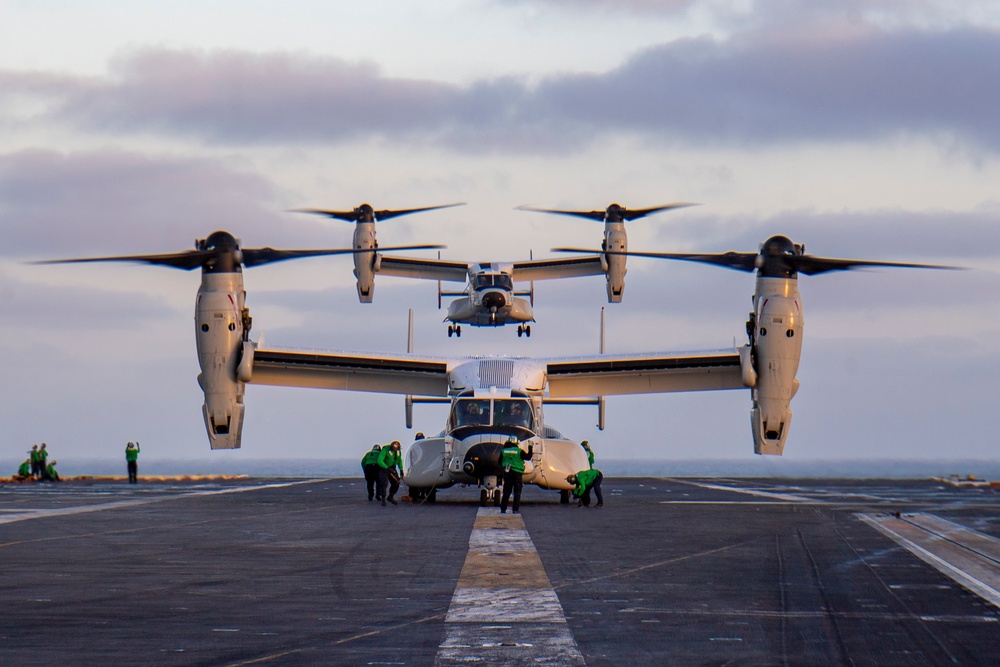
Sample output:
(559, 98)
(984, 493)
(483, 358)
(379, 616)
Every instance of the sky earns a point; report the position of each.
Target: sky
(863, 129)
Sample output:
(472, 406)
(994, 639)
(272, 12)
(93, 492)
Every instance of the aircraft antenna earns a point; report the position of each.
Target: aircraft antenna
(603, 336)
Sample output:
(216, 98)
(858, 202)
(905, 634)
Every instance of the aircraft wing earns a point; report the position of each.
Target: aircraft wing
(558, 267)
(400, 373)
(649, 373)
(429, 269)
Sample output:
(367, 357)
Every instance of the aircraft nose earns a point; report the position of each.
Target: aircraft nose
(494, 300)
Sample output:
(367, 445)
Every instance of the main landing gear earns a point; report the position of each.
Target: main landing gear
(524, 330)
(457, 330)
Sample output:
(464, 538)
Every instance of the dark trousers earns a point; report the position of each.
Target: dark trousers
(596, 487)
(512, 483)
(36, 470)
(371, 478)
(133, 472)
(387, 477)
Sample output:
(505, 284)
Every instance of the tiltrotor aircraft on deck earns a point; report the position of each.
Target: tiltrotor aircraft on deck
(493, 398)
(490, 298)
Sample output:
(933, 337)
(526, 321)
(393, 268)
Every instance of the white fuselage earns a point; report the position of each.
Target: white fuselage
(490, 299)
(493, 399)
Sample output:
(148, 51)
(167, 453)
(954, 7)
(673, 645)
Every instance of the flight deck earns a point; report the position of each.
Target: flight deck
(672, 571)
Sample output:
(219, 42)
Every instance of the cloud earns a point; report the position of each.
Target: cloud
(751, 90)
(116, 202)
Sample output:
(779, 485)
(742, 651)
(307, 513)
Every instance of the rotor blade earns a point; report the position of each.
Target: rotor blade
(364, 211)
(811, 265)
(747, 261)
(188, 260)
(259, 256)
(643, 212)
(592, 215)
(740, 261)
(612, 213)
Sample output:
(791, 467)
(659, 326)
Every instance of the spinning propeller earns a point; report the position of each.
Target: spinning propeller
(614, 212)
(221, 253)
(778, 257)
(365, 212)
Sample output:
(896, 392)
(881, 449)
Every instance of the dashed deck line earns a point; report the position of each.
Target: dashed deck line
(504, 610)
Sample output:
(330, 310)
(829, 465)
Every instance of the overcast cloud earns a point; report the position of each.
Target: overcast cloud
(863, 85)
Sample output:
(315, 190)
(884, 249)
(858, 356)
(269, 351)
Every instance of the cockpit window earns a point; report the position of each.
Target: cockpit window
(485, 280)
(512, 412)
(495, 412)
(471, 412)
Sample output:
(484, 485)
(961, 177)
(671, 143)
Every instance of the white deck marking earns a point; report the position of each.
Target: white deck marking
(788, 497)
(24, 515)
(966, 556)
(504, 610)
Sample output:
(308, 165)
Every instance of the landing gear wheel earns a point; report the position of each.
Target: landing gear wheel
(527, 330)
(520, 330)
(451, 330)
(484, 498)
(432, 496)
(564, 497)
(458, 330)
(496, 497)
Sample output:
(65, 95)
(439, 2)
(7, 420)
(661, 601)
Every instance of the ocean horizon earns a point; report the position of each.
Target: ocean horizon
(757, 466)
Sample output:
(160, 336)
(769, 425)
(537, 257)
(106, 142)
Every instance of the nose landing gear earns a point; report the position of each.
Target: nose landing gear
(524, 330)
(455, 329)
(489, 497)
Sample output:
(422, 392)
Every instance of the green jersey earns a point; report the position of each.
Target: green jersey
(389, 457)
(514, 457)
(25, 469)
(132, 453)
(584, 480)
(370, 457)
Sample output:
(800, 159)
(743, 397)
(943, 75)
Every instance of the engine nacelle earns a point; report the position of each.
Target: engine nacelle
(616, 240)
(777, 348)
(365, 263)
(219, 331)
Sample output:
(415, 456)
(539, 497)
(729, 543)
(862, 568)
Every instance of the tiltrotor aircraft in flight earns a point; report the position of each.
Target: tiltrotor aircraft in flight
(490, 298)
(492, 397)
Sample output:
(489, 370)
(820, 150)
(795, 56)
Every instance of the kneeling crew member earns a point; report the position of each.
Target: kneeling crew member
(389, 461)
(50, 474)
(24, 472)
(512, 460)
(586, 480)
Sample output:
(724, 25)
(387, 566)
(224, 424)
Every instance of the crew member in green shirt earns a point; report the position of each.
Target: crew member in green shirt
(36, 466)
(369, 464)
(132, 460)
(24, 472)
(50, 473)
(585, 480)
(389, 460)
(512, 459)
(590, 452)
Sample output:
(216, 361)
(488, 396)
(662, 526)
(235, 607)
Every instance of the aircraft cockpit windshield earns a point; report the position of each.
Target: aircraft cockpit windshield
(510, 416)
(498, 280)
